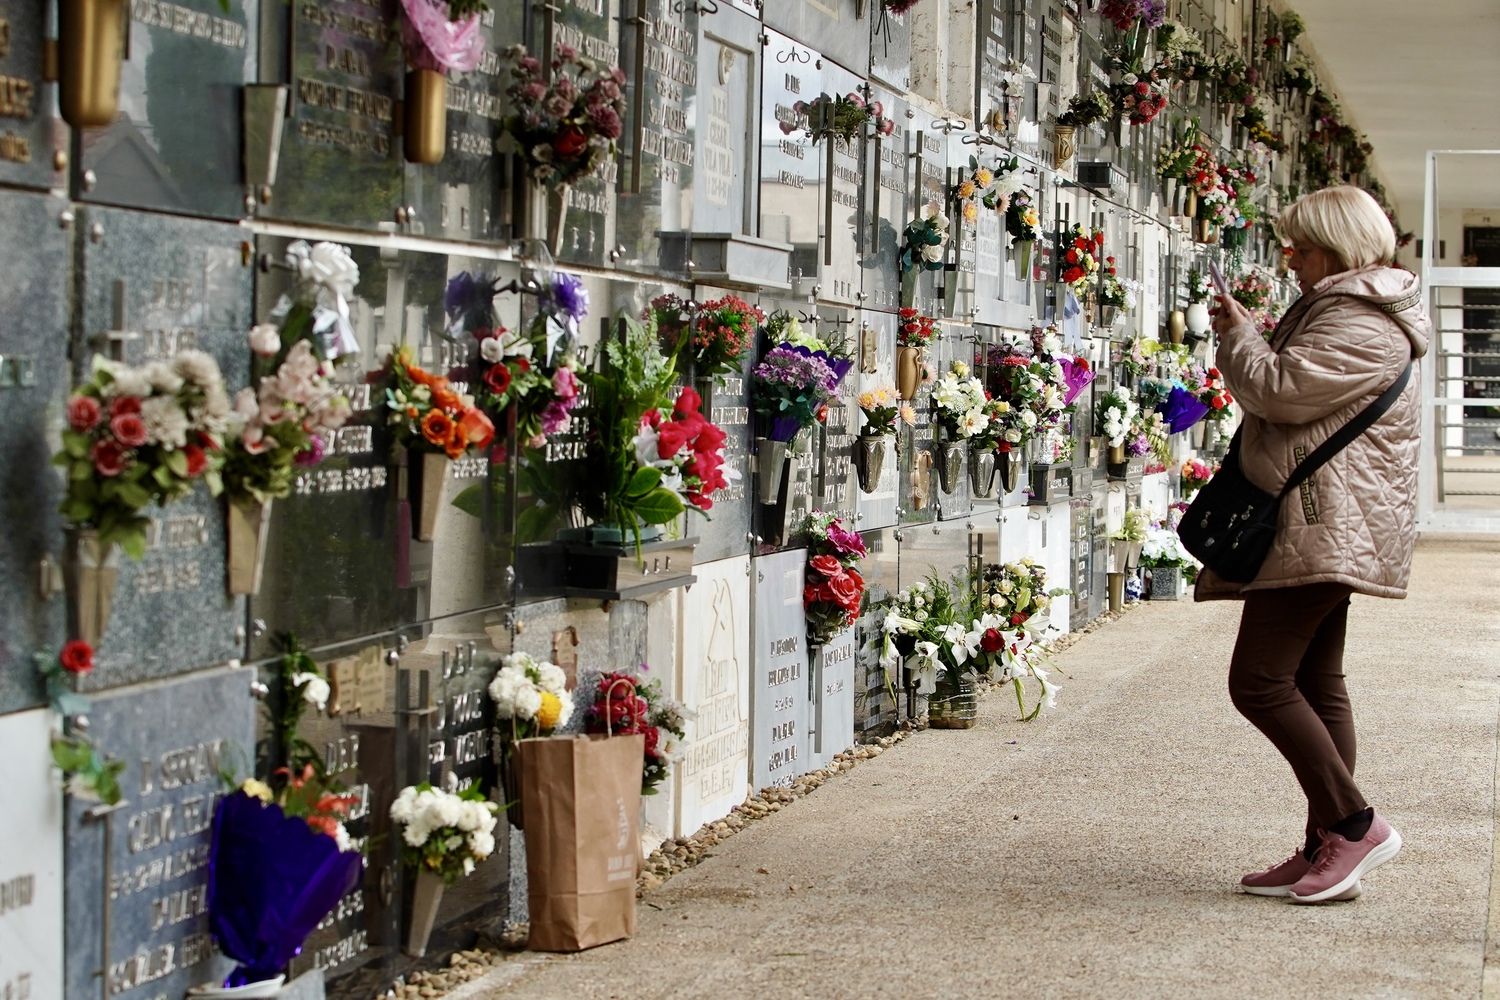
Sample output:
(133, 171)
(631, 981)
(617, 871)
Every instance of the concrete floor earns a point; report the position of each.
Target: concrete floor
(1093, 853)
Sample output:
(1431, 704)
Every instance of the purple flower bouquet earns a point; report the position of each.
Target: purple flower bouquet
(271, 880)
(791, 387)
(1181, 410)
(1076, 377)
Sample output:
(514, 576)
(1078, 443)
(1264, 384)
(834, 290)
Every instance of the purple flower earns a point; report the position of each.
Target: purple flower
(555, 418)
(845, 541)
(460, 290)
(1138, 446)
(313, 453)
(566, 294)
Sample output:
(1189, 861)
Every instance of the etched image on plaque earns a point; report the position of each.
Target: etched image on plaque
(153, 287)
(176, 142)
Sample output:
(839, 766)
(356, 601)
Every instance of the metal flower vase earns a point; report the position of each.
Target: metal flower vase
(1165, 582)
(1107, 316)
(982, 468)
(426, 474)
(950, 460)
(908, 372)
(91, 45)
(954, 704)
(1064, 144)
(426, 898)
(1011, 465)
(770, 463)
(1021, 250)
(91, 569)
(869, 459)
(425, 116)
(1176, 326)
(1117, 454)
(248, 522)
(1116, 592)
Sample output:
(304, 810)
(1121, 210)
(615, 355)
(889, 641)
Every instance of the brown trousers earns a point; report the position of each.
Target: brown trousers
(1287, 678)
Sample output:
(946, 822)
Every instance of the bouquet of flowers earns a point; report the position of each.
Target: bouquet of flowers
(1195, 472)
(925, 629)
(1023, 397)
(1124, 14)
(87, 773)
(135, 435)
(442, 35)
(285, 420)
(1252, 291)
(317, 308)
(1214, 393)
(914, 329)
(833, 588)
(278, 864)
(444, 833)
(791, 389)
(1236, 80)
(686, 449)
(991, 188)
(531, 696)
(564, 127)
(881, 408)
(1112, 291)
(1141, 97)
(1021, 220)
(722, 332)
(925, 241)
(1148, 435)
(1177, 44)
(1299, 76)
(1080, 258)
(1176, 157)
(1016, 592)
(625, 705)
(1203, 173)
(1114, 417)
(786, 330)
(427, 414)
(841, 117)
(1085, 109)
(958, 403)
(1164, 548)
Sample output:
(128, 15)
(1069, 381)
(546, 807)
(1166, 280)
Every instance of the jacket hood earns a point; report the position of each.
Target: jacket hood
(1395, 292)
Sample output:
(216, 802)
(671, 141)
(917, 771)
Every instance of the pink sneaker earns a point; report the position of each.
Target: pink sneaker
(1342, 863)
(1279, 879)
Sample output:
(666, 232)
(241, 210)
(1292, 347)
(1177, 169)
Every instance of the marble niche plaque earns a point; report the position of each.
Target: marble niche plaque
(845, 226)
(340, 161)
(791, 166)
(146, 862)
(30, 131)
(713, 681)
(33, 387)
(591, 27)
(461, 197)
(834, 673)
(176, 142)
(781, 711)
(657, 176)
(892, 205)
(728, 91)
(838, 27)
(154, 286)
(31, 860)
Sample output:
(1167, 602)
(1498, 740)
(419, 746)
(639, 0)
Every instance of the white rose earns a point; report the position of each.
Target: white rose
(491, 349)
(265, 339)
(481, 844)
(932, 254)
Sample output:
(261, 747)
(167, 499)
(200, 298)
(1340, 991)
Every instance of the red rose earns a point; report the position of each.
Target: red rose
(1071, 256)
(670, 439)
(197, 461)
(497, 379)
(653, 740)
(1019, 618)
(124, 404)
(823, 414)
(827, 565)
(1217, 402)
(992, 641)
(130, 429)
(859, 581)
(570, 141)
(83, 412)
(109, 458)
(688, 402)
(522, 365)
(77, 657)
(843, 588)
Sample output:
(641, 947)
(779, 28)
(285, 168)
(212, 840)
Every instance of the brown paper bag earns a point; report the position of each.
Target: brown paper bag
(582, 802)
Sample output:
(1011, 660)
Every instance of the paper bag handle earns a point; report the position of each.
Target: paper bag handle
(609, 694)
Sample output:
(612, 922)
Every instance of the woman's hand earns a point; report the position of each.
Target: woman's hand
(1230, 314)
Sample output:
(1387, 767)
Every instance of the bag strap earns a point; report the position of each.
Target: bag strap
(1346, 434)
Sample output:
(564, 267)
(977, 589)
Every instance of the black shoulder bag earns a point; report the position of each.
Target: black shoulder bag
(1231, 523)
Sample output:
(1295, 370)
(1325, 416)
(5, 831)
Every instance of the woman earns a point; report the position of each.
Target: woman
(1349, 529)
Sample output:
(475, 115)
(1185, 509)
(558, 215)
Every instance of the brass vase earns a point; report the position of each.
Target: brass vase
(1116, 591)
(247, 522)
(91, 44)
(982, 468)
(90, 572)
(1064, 144)
(426, 116)
(950, 460)
(1117, 454)
(908, 372)
(1176, 326)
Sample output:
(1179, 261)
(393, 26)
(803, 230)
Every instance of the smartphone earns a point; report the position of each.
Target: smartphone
(1217, 276)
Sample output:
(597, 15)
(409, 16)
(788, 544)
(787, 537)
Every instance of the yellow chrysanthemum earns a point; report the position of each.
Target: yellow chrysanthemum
(971, 211)
(550, 712)
(983, 177)
(256, 789)
(966, 189)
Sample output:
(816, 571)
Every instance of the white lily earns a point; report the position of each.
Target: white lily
(961, 642)
(926, 666)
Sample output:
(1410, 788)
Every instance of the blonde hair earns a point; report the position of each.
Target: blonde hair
(1343, 220)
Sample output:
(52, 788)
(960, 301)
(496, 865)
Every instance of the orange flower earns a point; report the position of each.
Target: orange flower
(437, 428)
(446, 399)
(457, 444)
(476, 427)
(419, 376)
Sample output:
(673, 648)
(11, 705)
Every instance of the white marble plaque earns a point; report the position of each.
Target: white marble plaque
(713, 681)
(781, 711)
(31, 901)
(833, 698)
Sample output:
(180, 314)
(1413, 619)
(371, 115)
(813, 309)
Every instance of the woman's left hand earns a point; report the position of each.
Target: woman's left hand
(1229, 315)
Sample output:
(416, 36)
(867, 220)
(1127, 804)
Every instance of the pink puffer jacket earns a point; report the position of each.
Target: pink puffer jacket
(1338, 348)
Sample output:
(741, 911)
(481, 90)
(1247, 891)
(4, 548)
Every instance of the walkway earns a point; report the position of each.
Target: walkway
(1092, 853)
